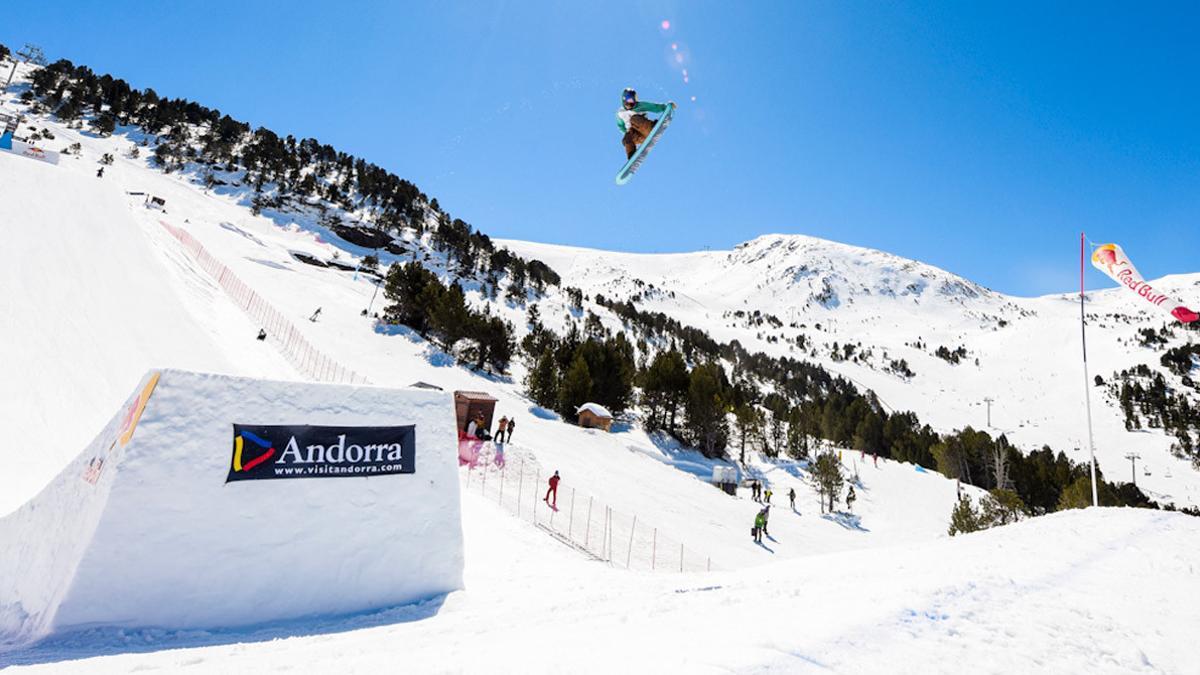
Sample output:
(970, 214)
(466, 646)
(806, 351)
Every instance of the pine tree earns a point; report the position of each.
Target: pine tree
(1002, 507)
(746, 423)
(964, 518)
(797, 439)
(542, 381)
(576, 387)
(449, 318)
(1078, 495)
(827, 471)
(370, 263)
(105, 124)
(706, 424)
(664, 385)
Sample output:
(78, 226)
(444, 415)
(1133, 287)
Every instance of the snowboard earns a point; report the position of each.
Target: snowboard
(643, 150)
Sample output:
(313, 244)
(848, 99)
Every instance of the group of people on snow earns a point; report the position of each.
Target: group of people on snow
(477, 428)
(761, 518)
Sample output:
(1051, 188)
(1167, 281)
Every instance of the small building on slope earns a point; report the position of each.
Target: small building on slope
(594, 416)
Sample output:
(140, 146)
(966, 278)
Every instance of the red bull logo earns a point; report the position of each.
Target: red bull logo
(1111, 260)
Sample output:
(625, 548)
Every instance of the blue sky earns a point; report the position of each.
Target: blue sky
(980, 137)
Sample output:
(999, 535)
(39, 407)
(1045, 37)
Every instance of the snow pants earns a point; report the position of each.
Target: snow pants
(640, 127)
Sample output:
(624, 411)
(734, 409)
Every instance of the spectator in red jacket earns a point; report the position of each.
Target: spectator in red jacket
(552, 491)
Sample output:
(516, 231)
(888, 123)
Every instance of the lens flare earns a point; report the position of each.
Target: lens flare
(666, 25)
(674, 46)
(693, 99)
(678, 58)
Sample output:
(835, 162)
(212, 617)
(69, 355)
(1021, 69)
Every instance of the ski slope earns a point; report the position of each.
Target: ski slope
(97, 292)
(996, 601)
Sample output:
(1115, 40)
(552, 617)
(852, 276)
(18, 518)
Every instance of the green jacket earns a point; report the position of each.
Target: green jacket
(759, 521)
(624, 113)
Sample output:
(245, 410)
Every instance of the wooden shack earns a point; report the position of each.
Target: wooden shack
(470, 404)
(594, 416)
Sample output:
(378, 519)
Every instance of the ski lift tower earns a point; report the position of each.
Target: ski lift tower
(31, 53)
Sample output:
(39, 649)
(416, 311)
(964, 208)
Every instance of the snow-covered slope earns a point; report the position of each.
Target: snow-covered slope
(198, 326)
(1023, 353)
(996, 601)
(90, 300)
(100, 292)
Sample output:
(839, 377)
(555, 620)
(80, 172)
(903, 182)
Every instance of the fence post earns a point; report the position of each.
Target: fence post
(520, 486)
(588, 528)
(468, 477)
(571, 516)
(535, 493)
(709, 565)
(653, 548)
(500, 501)
(608, 534)
(483, 488)
(681, 557)
(629, 553)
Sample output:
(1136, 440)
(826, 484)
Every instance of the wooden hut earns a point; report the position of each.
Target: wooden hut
(470, 404)
(594, 416)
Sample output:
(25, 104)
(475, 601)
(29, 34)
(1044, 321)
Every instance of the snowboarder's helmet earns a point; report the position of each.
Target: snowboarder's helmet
(629, 97)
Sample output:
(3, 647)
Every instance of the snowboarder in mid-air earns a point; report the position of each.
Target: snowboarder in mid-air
(632, 120)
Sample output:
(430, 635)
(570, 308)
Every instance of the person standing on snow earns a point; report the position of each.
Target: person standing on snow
(768, 495)
(501, 427)
(766, 514)
(792, 497)
(850, 499)
(632, 120)
(552, 491)
(512, 424)
(760, 525)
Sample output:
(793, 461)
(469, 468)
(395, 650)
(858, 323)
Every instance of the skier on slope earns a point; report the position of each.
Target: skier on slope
(760, 524)
(552, 492)
(632, 120)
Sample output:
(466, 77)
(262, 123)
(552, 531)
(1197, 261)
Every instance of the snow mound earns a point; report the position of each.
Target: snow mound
(142, 529)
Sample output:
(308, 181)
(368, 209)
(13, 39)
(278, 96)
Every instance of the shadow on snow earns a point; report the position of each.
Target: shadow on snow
(112, 641)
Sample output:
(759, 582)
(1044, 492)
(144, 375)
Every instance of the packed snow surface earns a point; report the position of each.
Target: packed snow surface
(1101, 591)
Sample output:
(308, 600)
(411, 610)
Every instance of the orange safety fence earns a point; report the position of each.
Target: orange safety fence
(308, 360)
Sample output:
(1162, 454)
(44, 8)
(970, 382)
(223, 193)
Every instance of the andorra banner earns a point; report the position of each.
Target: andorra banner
(263, 452)
(1111, 260)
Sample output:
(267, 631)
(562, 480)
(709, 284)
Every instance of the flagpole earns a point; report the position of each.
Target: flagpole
(1087, 384)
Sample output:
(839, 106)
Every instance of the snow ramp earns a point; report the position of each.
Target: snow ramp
(213, 501)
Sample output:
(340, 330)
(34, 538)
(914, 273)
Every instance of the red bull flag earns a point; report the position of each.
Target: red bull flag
(1111, 260)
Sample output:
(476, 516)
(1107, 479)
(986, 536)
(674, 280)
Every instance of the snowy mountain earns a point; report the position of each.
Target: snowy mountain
(792, 295)
(100, 287)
